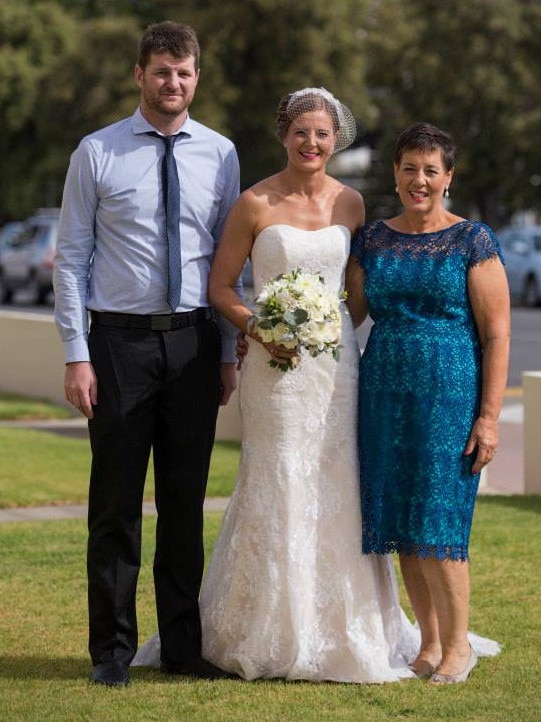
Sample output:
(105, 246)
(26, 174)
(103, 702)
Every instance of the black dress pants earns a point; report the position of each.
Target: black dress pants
(159, 391)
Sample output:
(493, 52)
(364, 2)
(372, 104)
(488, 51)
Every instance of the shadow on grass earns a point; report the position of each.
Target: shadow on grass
(70, 668)
(64, 668)
(43, 667)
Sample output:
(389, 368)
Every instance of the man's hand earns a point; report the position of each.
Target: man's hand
(228, 376)
(81, 387)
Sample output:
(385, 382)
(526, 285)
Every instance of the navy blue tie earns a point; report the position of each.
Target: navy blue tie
(171, 201)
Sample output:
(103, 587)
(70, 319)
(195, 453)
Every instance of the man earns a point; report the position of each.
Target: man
(148, 374)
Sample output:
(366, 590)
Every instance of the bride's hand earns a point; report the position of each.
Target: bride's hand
(281, 354)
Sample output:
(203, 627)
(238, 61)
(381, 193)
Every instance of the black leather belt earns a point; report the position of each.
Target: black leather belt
(161, 322)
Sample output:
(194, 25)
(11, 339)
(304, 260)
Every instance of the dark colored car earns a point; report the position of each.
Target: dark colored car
(26, 258)
(521, 246)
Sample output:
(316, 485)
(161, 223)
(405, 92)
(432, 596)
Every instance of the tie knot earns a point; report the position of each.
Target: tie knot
(169, 140)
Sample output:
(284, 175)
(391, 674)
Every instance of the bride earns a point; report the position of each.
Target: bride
(288, 593)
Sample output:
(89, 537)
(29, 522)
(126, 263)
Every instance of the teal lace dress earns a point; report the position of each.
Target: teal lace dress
(419, 393)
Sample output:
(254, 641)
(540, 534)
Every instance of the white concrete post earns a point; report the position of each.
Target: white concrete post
(531, 383)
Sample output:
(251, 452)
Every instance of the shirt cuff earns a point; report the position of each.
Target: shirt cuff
(229, 333)
(76, 350)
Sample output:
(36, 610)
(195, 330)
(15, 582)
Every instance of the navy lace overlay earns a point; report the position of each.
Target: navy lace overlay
(420, 384)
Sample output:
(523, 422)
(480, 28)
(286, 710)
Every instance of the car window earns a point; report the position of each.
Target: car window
(9, 231)
(537, 243)
(42, 235)
(504, 240)
(26, 236)
(515, 243)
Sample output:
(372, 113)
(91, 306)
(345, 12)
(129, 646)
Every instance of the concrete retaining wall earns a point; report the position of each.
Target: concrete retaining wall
(32, 364)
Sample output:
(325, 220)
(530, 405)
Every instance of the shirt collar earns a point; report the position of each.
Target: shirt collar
(140, 125)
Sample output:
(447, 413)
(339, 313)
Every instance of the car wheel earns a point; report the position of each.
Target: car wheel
(33, 289)
(6, 294)
(43, 295)
(530, 295)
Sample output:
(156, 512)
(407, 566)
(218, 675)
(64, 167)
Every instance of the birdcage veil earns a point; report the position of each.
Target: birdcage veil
(309, 99)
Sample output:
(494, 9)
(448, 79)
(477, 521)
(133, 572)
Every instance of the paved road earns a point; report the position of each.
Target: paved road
(525, 343)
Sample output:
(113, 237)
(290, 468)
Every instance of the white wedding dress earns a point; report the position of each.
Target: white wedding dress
(288, 592)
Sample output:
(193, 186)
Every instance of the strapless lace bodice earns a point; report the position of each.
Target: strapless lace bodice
(280, 248)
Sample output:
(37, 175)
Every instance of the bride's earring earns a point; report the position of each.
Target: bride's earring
(446, 192)
(396, 189)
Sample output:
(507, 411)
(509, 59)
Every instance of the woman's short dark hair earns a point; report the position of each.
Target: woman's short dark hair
(167, 37)
(426, 138)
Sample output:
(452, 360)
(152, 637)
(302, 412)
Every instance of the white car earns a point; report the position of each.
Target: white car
(521, 246)
(26, 258)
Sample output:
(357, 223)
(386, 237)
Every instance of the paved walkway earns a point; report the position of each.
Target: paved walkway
(505, 475)
(75, 511)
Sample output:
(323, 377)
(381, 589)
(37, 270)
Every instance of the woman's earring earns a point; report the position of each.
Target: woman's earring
(446, 192)
(396, 189)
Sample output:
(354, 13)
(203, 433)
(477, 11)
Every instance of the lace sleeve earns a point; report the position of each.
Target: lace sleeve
(483, 244)
(357, 246)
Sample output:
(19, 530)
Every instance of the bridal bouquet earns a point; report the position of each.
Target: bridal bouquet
(297, 311)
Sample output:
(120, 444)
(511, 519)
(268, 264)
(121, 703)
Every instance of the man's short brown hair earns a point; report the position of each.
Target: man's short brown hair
(168, 37)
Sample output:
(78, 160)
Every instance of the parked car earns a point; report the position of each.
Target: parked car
(521, 246)
(9, 230)
(26, 258)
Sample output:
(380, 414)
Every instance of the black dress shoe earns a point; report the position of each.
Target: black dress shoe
(112, 674)
(199, 668)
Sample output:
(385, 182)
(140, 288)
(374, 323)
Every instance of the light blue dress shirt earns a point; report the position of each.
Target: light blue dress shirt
(111, 251)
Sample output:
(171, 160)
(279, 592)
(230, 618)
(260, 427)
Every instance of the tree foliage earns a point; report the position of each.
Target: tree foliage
(470, 68)
(66, 68)
(92, 86)
(31, 41)
(59, 79)
(256, 51)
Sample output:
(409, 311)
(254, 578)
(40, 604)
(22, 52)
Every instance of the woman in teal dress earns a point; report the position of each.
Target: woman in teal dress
(432, 380)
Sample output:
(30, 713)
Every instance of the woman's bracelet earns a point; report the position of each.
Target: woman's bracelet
(250, 325)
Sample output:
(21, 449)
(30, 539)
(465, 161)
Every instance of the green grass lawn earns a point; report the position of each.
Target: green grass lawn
(44, 665)
(21, 408)
(41, 468)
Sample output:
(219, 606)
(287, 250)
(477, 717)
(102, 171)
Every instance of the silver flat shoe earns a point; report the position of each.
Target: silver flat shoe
(438, 678)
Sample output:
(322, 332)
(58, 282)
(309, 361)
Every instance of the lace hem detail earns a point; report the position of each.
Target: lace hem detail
(441, 552)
